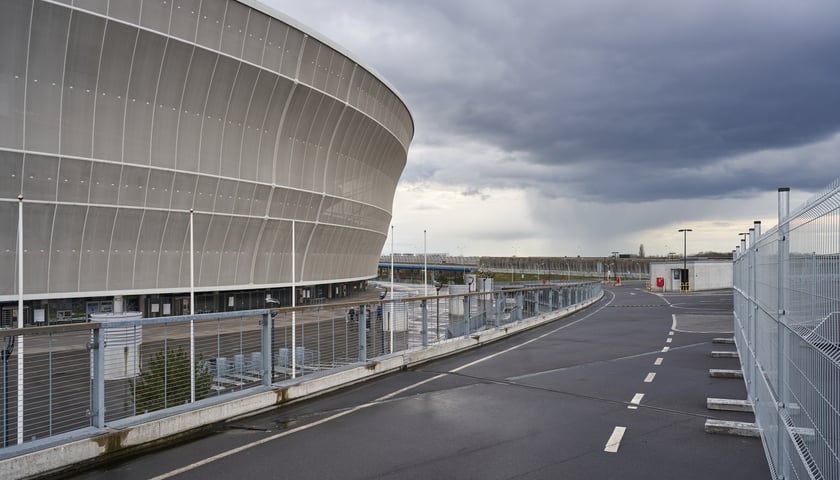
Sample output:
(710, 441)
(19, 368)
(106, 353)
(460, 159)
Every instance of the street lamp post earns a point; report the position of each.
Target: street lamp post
(685, 231)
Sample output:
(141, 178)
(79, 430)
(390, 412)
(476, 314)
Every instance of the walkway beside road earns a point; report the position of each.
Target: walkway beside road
(615, 391)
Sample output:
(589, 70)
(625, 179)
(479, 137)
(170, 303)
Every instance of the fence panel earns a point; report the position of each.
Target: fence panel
(787, 315)
(89, 376)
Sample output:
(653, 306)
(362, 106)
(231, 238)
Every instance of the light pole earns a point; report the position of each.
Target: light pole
(685, 260)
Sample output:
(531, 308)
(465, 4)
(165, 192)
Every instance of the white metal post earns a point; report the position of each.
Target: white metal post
(391, 322)
(294, 304)
(425, 268)
(192, 310)
(20, 324)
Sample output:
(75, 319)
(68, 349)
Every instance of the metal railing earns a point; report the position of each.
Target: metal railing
(78, 379)
(787, 329)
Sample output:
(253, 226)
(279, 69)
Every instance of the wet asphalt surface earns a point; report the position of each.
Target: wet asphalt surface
(541, 404)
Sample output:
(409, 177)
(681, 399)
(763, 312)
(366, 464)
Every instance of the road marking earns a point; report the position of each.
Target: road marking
(665, 349)
(379, 400)
(669, 340)
(658, 361)
(671, 332)
(637, 399)
(615, 439)
(649, 377)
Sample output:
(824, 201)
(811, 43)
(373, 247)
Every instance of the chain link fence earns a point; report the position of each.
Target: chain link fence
(787, 319)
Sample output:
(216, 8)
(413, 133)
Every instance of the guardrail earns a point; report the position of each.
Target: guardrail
(79, 379)
(787, 329)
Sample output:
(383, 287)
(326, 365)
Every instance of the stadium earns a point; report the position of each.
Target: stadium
(146, 137)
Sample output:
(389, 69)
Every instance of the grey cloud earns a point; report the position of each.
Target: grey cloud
(612, 100)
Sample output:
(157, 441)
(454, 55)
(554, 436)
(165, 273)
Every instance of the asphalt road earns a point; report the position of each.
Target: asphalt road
(554, 402)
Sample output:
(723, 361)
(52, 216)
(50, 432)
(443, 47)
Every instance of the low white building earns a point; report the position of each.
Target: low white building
(702, 274)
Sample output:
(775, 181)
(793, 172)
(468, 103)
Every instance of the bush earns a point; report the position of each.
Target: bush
(165, 381)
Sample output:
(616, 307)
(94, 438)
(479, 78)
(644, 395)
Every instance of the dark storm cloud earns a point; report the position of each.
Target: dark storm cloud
(615, 99)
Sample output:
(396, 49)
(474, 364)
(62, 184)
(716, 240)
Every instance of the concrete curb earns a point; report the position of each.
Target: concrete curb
(54, 454)
(723, 427)
(729, 405)
(721, 373)
(723, 354)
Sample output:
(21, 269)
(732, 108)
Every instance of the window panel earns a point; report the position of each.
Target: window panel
(128, 10)
(185, 19)
(80, 72)
(73, 180)
(225, 196)
(210, 23)
(117, 51)
(230, 251)
(267, 266)
(211, 254)
(123, 245)
(244, 197)
(155, 14)
(93, 265)
(174, 246)
(133, 186)
(168, 103)
(273, 54)
(148, 248)
(14, 31)
(254, 125)
(159, 193)
(291, 52)
(233, 32)
(255, 40)
(245, 259)
(141, 97)
(308, 61)
(183, 191)
(67, 231)
(104, 183)
(270, 130)
(37, 229)
(217, 103)
(235, 120)
(205, 195)
(47, 45)
(40, 177)
(11, 168)
(192, 106)
(260, 203)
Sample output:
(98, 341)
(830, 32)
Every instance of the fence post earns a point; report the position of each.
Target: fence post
(781, 367)
(362, 322)
(267, 325)
(424, 333)
(97, 396)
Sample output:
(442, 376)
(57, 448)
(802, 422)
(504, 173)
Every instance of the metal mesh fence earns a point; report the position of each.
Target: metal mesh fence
(787, 314)
(91, 375)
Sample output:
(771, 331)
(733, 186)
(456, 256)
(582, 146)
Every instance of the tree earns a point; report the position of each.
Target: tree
(165, 381)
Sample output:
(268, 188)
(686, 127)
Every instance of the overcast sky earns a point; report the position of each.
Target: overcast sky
(583, 127)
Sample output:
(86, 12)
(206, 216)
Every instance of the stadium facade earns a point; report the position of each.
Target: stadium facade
(123, 123)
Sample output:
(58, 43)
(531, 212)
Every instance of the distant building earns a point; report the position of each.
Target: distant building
(703, 274)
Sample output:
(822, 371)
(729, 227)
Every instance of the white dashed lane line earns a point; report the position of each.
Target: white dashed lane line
(665, 349)
(615, 440)
(637, 399)
(658, 361)
(649, 377)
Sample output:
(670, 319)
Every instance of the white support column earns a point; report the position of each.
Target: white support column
(294, 304)
(20, 324)
(192, 310)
